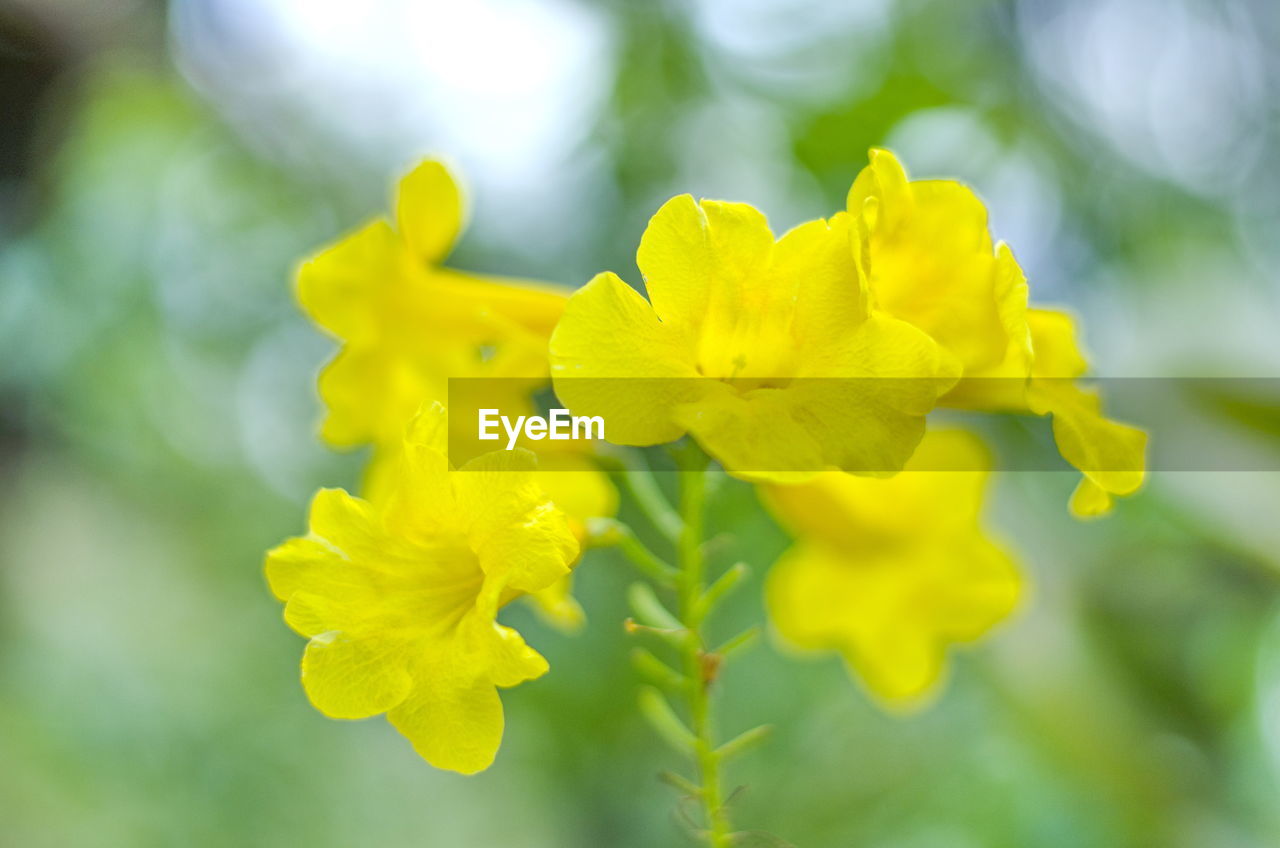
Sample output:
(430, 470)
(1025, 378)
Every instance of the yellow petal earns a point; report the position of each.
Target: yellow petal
(351, 525)
(753, 308)
(582, 491)
(289, 565)
(1111, 454)
(532, 305)
(913, 369)
(355, 678)
(352, 575)
(370, 395)
(884, 183)
(858, 515)
(417, 492)
(930, 259)
(429, 428)
(513, 526)
(813, 265)
(1090, 500)
(326, 589)
(890, 572)
(761, 434)
(959, 311)
(611, 356)
(699, 260)
(342, 598)
(381, 473)
(1054, 340)
(429, 211)
(511, 660)
(1002, 387)
(891, 617)
(453, 719)
(1011, 295)
(342, 287)
(858, 406)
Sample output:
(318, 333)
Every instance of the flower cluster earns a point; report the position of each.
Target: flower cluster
(408, 325)
(827, 348)
(808, 364)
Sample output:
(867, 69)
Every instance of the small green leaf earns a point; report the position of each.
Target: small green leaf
(744, 742)
(648, 497)
(743, 640)
(664, 720)
(649, 610)
(675, 638)
(641, 557)
(723, 585)
(656, 670)
(684, 784)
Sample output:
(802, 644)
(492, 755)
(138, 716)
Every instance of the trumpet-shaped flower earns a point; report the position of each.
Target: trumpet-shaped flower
(399, 601)
(765, 350)
(889, 573)
(930, 261)
(408, 324)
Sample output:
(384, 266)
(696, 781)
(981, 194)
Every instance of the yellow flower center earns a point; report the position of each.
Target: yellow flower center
(447, 583)
(748, 350)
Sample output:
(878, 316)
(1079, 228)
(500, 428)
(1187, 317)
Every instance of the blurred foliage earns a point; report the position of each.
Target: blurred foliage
(158, 419)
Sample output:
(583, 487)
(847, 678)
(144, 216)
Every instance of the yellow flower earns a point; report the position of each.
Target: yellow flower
(765, 351)
(931, 262)
(399, 601)
(408, 324)
(890, 572)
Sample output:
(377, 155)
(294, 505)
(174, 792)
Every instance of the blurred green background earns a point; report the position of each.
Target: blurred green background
(163, 167)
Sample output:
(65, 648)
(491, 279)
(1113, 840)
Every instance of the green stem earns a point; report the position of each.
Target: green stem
(698, 670)
(648, 497)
